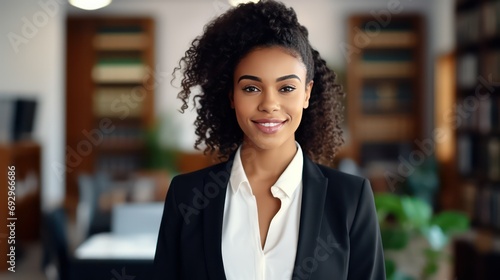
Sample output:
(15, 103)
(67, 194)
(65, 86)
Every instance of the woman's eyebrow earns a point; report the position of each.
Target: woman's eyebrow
(292, 76)
(254, 78)
(249, 77)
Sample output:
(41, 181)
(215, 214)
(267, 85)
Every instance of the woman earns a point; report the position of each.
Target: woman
(268, 107)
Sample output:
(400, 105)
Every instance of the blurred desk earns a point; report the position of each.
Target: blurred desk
(112, 246)
(136, 218)
(127, 252)
(107, 256)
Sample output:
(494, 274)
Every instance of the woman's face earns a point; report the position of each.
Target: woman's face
(270, 93)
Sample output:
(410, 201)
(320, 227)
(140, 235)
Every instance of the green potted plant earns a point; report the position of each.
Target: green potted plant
(404, 219)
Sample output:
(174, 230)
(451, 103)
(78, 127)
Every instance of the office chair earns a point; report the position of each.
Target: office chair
(56, 258)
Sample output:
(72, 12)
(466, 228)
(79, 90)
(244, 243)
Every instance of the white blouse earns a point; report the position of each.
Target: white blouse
(242, 254)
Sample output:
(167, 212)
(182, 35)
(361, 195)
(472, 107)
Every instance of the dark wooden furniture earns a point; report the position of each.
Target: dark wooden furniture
(109, 97)
(385, 91)
(476, 117)
(25, 158)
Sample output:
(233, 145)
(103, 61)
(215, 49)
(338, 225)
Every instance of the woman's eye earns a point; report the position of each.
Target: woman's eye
(250, 89)
(287, 89)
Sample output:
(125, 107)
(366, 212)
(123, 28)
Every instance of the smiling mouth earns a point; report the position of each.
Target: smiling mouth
(269, 126)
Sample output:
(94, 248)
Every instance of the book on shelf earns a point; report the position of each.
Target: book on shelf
(468, 116)
(386, 128)
(390, 39)
(467, 70)
(121, 41)
(121, 38)
(387, 63)
(122, 102)
(485, 115)
(483, 205)
(479, 115)
(492, 65)
(487, 208)
(469, 192)
(387, 69)
(471, 119)
(491, 12)
(468, 26)
(494, 159)
(465, 155)
(390, 26)
(495, 114)
(119, 70)
(114, 29)
(393, 34)
(387, 97)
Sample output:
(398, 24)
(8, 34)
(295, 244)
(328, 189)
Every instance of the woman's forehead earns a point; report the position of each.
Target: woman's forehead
(271, 62)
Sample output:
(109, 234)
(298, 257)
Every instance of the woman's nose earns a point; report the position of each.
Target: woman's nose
(269, 102)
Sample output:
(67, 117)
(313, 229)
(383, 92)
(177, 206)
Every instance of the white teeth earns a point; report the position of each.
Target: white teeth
(269, 124)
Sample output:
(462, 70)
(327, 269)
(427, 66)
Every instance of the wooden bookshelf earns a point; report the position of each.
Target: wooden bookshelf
(477, 133)
(109, 97)
(478, 123)
(385, 92)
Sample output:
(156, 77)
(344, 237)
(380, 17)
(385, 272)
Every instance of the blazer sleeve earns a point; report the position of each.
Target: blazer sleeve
(166, 261)
(366, 259)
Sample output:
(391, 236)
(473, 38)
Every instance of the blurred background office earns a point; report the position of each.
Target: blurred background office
(89, 120)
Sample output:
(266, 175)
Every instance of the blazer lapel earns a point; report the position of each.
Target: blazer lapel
(213, 216)
(311, 215)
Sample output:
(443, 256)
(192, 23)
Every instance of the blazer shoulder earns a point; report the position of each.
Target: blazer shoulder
(341, 177)
(343, 185)
(201, 173)
(186, 182)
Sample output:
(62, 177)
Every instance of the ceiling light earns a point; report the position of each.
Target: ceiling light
(235, 3)
(90, 4)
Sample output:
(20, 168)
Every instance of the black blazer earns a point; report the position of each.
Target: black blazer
(339, 236)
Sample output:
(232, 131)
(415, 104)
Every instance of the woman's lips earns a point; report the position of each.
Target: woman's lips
(269, 126)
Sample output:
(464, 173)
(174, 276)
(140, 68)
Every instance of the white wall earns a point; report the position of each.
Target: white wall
(442, 23)
(38, 68)
(34, 66)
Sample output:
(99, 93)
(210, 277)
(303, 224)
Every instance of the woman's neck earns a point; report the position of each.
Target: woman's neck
(266, 163)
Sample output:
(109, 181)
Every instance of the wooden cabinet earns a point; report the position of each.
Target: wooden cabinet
(24, 158)
(384, 93)
(109, 97)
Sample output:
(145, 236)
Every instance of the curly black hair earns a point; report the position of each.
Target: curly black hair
(212, 58)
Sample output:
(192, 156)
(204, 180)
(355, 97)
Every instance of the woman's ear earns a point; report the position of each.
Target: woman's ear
(308, 93)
